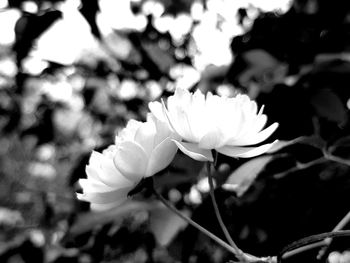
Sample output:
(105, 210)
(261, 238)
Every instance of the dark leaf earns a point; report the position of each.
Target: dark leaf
(329, 106)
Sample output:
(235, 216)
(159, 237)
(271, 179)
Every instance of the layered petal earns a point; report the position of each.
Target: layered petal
(102, 169)
(131, 160)
(94, 186)
(254, 138)
(161, 157)
(156, 109)
(211, 139)
(141, 149)
(145, 136)
(212, 122)
(245, 152)
(193, 151)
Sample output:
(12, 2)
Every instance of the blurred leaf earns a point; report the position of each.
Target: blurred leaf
(88, 221)
(244, 176)
(329, 106)
(165, 225)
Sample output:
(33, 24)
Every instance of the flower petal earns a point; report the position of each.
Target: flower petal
(103, 169)
(128, 133)
(91, 185)
(131, 160)
(178, 108)
(161, 156)
(245, 152)
(193, 151)
(254, 138)
(156, 109)
(211, 139)
(145, 136)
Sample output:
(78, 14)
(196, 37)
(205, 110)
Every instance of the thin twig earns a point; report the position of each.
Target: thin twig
(217, 213)
(245, 258)
(310, 242)
(326, 243)
(194, 224)
(336, 159)
(300, 166)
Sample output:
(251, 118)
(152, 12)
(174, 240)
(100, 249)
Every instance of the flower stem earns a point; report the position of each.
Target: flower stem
(239, 253)
(241, 256)
(194, 224)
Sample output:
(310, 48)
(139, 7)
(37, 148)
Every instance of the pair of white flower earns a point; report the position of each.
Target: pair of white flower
(191, 122)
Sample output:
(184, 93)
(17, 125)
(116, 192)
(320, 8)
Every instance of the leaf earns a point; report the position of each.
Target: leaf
(329, 106)
(88, 221)
(243, 177)
(164, 224)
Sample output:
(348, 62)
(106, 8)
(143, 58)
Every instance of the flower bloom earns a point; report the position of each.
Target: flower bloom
(206, 123)
(141, 149)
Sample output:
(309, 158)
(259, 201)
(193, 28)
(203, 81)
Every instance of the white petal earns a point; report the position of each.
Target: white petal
(128, 133)
(89, 185)
(179, 120)
(163, 131)
(103, 169)
(178, 108)
(131, 161)
(245, 152)
(157, 110)
(145, 136)
(260, 122)
(92, 173)
(252, 139)
(168, 118)
(161, 156)
(211, 140)
(197, 115)
(193, 151)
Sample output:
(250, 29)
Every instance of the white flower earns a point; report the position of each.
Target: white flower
(141, 149)
(226, 125)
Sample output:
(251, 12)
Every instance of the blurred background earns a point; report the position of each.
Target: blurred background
(72, 73)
